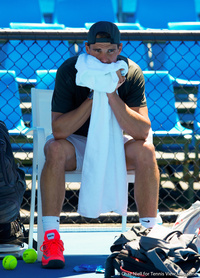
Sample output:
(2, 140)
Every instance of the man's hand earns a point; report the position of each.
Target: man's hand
(121, 78)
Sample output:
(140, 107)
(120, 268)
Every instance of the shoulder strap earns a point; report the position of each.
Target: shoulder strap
(4, 130)
(6, 154)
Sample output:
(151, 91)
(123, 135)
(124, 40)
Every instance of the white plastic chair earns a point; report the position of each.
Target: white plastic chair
(41, 119)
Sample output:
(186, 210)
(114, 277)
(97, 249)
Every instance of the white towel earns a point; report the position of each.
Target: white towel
(104, 182)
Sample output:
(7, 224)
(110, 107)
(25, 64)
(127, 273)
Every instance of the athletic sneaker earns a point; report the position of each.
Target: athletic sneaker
(52, 249)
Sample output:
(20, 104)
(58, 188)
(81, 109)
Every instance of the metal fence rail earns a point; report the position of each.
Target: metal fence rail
(30, 58)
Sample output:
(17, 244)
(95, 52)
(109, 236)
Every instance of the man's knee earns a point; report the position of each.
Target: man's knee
(58, 150)
(147, 152)
(149, 149)
(140, 152)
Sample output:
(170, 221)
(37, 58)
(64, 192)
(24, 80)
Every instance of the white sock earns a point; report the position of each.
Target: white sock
(50, 223)
(148, 222)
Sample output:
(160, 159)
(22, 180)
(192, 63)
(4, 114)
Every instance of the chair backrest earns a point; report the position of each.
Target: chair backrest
(184, 25)
(76, 13)
(45, 79)
(182, 59)
(41, 109)
(160, 100)
(25, 57)
(157, 13)
(20, 11)
(135, 50)
(10, 111)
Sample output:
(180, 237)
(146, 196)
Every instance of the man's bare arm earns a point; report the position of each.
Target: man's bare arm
(133, 120)
(65, 124)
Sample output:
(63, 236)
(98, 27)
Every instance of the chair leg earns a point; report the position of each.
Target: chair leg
(40, 233)
(41, 161)
(124, 220)
(32, 212)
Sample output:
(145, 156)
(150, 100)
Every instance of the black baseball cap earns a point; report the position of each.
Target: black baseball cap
(106, 27)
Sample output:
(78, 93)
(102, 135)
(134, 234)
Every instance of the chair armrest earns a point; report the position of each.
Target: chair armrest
(25, 81)
(183, 82)
(30, 131)
(44, 26)
(39, 140)
(40, 135)
(35, 130)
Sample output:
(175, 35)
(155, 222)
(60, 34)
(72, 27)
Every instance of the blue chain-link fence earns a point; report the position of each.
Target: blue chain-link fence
(170, 61)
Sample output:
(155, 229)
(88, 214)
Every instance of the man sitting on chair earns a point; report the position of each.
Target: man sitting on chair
(64, 150)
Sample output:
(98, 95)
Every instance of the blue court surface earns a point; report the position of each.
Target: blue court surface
(81, 247)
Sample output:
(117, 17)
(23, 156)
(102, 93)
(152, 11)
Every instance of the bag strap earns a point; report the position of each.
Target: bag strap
(109, 266)
(165, 265)
(4, 131)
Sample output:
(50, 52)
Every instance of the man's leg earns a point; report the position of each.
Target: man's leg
(140, 156)
(60, 156)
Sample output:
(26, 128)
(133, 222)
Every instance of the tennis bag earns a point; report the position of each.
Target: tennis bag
(12, 180)
(188, 221)
(171, 254)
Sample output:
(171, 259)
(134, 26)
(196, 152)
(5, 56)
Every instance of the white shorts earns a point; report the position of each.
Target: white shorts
(79, 143)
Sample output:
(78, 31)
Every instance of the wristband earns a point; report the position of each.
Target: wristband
(90, 96)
